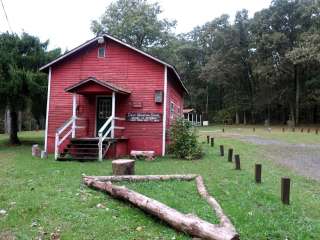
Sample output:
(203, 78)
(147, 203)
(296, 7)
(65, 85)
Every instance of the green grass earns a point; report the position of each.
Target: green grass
(276, 133)
(51, 194)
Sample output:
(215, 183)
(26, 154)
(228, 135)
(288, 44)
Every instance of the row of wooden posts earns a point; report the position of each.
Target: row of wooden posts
(285, 182)
(293, 130)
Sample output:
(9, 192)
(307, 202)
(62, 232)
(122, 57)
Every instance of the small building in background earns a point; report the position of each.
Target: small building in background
(192, 116)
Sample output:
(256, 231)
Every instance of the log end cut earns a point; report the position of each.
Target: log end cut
(123, 167)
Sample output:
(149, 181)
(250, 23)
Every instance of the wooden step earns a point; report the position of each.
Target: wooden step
(85, 149)
(80, 159)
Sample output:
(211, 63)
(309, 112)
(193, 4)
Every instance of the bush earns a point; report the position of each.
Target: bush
(184, 142)
(223, 117)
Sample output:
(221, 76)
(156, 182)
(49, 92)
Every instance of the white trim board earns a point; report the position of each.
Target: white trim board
(164, 121)
(47, 113)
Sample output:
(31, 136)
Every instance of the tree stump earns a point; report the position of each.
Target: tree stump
(123, 167)
(36, 151)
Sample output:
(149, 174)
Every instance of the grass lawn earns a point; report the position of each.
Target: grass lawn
(41, 196)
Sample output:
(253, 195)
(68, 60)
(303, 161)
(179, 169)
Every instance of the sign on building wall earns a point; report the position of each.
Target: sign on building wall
(143, 117)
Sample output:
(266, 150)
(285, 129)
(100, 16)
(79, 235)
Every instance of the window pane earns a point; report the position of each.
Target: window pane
(101, 52)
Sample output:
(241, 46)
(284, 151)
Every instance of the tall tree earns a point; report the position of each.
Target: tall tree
(136, 22)
(20, 59)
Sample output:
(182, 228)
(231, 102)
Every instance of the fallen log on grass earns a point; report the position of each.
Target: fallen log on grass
(141, 178)
(224, 220)
(187, 223)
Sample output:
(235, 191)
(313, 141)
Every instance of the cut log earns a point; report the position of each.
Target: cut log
(148, 155)
(139, 178)
(224, 220)
(183, 222)
(123, 167)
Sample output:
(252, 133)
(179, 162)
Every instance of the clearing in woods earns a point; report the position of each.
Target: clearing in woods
(44, 197)
(299, 151)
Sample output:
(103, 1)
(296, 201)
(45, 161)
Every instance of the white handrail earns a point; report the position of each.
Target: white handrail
(65, 125)
(102, 136)
(105, 125)
(58, 141)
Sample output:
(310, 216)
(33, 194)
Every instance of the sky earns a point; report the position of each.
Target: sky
(66, 23)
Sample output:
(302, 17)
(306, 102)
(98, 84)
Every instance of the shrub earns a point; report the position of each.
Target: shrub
(184, 142)
(223, 116)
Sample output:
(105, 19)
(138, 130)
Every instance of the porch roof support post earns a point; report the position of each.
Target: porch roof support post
(200, 119)
(113, 113)
(74, 114)
(192, 119)
(196, 119)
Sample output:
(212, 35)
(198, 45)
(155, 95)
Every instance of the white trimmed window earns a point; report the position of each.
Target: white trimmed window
(171, 109)
(101, 52)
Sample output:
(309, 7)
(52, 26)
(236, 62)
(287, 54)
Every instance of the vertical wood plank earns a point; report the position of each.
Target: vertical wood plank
(258, 170)
(230, 155)
(237, 161)
(221, 150)
(285, 190)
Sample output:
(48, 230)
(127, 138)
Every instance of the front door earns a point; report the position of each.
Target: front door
(104, 111)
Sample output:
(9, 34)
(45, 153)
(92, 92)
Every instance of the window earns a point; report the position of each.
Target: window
(101, 52)
(171, 110)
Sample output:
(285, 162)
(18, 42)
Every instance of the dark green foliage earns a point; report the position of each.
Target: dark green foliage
(21, 83)
(135, 22)
(184, 142)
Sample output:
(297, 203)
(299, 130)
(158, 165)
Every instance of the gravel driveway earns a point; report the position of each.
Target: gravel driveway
(302, 158)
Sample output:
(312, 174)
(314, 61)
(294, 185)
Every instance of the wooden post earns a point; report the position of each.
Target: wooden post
(317, 131)
(285, 191)
(113, 113)
(212, 142)
(237, 161)
(222, 129)
(293, 129)
(230, 155)
(221, 150)
(258, 169)
(283, 130)
(309, 130)
(74, 114)
(302, 130)
(254, 129)
(208, 139)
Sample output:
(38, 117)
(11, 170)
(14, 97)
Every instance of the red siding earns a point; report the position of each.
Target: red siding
(175, 96)
(124, 67)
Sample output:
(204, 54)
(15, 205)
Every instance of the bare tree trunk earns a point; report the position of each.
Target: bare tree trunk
(237, 118)
(292, 118)
(244, 118)
(7, 122)
(14, 128)
(207, 105)
(297, 82)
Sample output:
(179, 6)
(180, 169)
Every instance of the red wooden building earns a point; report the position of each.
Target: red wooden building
(106, 98)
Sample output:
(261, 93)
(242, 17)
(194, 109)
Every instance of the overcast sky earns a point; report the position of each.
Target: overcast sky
(67, 22)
